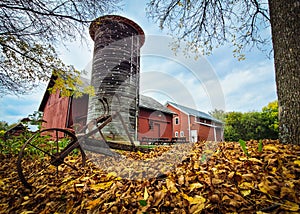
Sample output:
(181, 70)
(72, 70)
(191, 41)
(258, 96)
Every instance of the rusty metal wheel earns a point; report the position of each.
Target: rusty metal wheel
(50, 155)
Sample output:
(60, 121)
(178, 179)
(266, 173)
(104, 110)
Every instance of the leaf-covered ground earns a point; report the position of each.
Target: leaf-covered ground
(223, 180)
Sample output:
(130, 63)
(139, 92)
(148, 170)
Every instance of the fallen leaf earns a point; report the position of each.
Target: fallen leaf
(195, 186)
(246, 192)
(101, 186)
(291, 206)
(111, 174)
(217, 181)
(181, 180)
(194, 200)
(146, 195)
(263, 187)
(297, 162)
(255, 160)
(158, 196)
(171, 186)
(246, 185)
(92, 204)
(270, 148)
(197, 208)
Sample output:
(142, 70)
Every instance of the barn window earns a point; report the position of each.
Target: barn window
(181, 133)
(150, 124)
(176, 134)
(176, 120)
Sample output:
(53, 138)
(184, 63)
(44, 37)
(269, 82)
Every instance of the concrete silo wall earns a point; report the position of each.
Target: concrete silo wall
(115, 71)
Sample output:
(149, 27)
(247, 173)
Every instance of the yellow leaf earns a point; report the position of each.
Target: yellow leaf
(264, 187)
(255, 160)
(230, 175)
(85, 178)
(197, 208)
(196, 165)
(146, 195)
(270, 148)
(111, 174)
(291, 206)
(67, 179)
(208, 151)
(195, 186)
(246, 192)
(225, 198)
(194, 200)
(297, 162)
(246, 185)
(217, 181)
(171, 186)
(92, 204)
(181, 179)
(274, 169)
(101, 186)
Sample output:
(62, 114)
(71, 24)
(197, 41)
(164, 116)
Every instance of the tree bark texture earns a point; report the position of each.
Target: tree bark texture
(285, 24)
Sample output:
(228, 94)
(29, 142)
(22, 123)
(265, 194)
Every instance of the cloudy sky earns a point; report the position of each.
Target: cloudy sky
(216, 81)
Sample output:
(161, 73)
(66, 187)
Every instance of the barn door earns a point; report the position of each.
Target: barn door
(194, 136)
(156, 129)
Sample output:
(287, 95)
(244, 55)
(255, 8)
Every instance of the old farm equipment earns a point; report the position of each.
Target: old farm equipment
(115, 77)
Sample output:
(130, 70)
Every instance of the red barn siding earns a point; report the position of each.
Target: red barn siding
(55, 111)
(219, 134)
(183, 122)
(189, 122)
(62, 112)
(154, 124)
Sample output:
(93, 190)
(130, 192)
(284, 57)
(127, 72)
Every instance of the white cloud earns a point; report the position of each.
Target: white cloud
(13, 108)
(246, 85)
(249, 88)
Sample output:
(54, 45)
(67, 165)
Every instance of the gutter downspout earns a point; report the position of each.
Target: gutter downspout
(189, 127)
(215, 135)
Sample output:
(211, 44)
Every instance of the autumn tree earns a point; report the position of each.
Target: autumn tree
(3, 125)
(207, 24)
(30, 32)
(270, 116)
(218, 114)
(252, 125)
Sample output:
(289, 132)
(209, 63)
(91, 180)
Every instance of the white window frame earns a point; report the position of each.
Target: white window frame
(176, 134)
(181, 133)
(176, 119)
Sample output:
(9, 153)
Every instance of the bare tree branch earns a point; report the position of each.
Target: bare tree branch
(29, 32)
(205, 24)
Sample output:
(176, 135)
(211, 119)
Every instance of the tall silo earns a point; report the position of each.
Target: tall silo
(115, 72)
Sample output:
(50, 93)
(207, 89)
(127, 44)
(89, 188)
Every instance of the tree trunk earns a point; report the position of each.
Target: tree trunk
(285, 23)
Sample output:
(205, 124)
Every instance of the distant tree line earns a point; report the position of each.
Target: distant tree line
(250, 125)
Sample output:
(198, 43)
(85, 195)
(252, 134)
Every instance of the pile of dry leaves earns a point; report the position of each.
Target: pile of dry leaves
(211, 179)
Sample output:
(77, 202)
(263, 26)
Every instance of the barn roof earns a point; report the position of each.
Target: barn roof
(194, 112)
(150, 103)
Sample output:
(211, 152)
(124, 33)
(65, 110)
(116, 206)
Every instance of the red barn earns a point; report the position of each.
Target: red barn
(195, 125)
(155, 120)
(60, 112)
